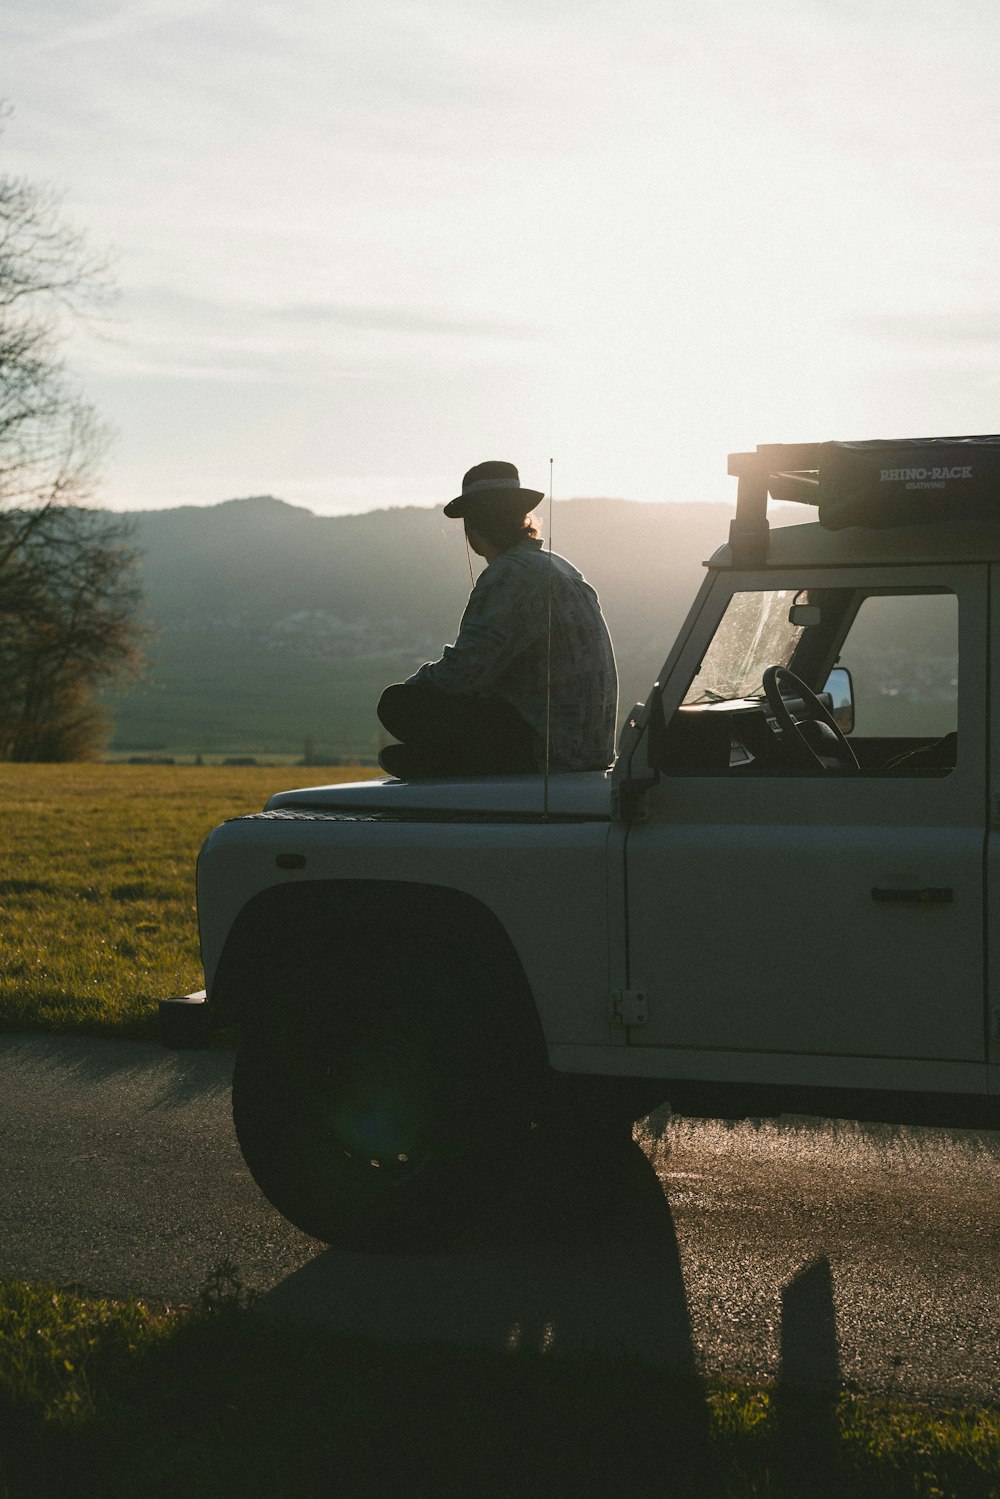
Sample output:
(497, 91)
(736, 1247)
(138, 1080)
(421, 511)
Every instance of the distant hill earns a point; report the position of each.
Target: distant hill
(278, 628)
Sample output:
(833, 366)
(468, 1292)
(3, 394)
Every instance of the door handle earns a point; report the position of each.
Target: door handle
(926, 895)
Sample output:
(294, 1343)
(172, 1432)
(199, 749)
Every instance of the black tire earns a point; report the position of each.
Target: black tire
(363, 1146)
(379, 1101)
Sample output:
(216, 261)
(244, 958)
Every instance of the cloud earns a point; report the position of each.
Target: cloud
(163, 333)
(406, 320)
(227, 321)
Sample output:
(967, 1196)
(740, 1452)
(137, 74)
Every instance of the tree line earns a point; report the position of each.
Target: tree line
(69, 595)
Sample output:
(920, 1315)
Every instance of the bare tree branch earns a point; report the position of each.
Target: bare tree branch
(69, 599)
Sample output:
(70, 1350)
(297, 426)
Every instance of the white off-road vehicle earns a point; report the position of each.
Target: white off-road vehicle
(783, 897)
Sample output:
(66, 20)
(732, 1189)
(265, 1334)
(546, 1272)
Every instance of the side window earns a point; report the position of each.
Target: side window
(902, 652)
(901, 648)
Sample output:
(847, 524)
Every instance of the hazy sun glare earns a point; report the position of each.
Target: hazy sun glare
(363, 247)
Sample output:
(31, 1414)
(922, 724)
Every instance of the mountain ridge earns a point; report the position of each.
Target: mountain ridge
(276, 625)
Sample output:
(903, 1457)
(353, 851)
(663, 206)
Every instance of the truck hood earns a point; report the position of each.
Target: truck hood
(585, 794)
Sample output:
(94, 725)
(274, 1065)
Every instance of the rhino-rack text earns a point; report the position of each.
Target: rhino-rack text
(908, 475)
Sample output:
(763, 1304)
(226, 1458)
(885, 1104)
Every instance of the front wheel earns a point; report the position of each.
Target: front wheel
(383, 1081)
(368, 1143)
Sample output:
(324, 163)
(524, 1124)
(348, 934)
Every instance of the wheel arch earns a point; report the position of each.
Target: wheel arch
(341, 921)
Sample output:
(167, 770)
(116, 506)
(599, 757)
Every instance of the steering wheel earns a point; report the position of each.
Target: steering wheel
(840, 756)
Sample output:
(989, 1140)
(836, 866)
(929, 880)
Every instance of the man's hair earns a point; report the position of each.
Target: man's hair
(502, 525)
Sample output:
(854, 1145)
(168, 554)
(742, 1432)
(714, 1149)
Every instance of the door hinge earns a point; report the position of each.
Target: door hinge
(629, 1007)
(630, 800)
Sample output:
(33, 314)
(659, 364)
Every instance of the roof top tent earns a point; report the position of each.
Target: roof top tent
(905, 481)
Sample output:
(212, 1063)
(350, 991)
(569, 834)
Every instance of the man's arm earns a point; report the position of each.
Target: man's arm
(505, 615)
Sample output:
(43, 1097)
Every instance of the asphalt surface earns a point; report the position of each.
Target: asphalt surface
(806, 1251)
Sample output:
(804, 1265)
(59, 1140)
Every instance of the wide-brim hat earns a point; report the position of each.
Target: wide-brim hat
(499, 479)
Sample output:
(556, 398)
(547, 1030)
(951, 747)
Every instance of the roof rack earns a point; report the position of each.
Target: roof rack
(785, 471)
(904, 481)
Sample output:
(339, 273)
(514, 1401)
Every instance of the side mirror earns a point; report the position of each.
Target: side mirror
(840, 690)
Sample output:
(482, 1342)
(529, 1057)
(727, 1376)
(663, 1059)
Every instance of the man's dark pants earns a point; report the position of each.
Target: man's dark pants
(451, 734)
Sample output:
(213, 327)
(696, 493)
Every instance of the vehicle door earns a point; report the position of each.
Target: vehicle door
(838, 918)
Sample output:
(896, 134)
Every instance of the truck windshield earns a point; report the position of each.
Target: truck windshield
(753, 634)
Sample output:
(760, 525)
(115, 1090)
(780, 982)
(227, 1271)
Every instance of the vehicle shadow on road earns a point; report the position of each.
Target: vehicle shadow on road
(596, 1278)
(599, 1280)
(178, 1077)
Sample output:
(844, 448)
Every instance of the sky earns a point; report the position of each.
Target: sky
(362, 245)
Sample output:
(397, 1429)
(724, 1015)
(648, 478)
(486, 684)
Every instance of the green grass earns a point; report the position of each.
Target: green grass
(97, 904)
(133, 1400)
(220, 695)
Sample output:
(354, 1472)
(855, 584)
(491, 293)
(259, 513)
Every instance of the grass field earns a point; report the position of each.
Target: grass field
(212, 1401)
(97, 885)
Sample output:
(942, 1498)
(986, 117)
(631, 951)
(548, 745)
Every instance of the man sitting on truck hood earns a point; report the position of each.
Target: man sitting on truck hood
(533, 653)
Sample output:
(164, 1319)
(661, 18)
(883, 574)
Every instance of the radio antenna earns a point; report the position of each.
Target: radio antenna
(548, 658)
(468, 556)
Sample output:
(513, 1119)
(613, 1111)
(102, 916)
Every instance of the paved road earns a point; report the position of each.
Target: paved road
(802, 1250)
